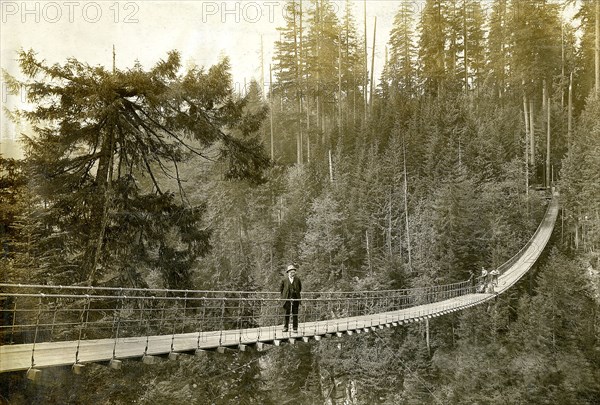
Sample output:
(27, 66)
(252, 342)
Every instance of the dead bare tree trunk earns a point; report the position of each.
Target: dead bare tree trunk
(366, 61)
(597, 59)
(570, 112)
(372, 65)
(548, 168)
(271, 109)
(531, 135)
(526, 115)
(406, 206)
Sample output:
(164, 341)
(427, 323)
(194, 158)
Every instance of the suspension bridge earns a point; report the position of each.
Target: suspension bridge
(48, 326)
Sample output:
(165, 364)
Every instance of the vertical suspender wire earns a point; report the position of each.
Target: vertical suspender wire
(37, 324)
(260, 316)
(203, 304)
(348, 311)
(304, 317)
(118, 312)
(318, 312)
(141, 311)
(241, 317)
(222, 320)
(337, 306)
(388, 305)
(372, 308)
(56, 305)
(328, 311)
(85, 313)
(162, 315)
(184, 310)
(175, 325)
(355, 305)
(14, 319)
(202, 319)
(147, 326)
(240, 313)
(380, 307)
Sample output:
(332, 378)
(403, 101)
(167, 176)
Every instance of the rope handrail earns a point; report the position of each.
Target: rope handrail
(177, 298)
(164, 290)
(47, 313)
(147, 315)
(502, 268)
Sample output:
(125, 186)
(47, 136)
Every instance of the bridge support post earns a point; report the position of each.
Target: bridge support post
(115, 364)
(261, 346)
(34, 374)
(78, 369)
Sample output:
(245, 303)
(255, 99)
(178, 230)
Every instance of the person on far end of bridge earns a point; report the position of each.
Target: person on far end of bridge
(483, 280)
(290, 289)
(494, 278)
(471, 280)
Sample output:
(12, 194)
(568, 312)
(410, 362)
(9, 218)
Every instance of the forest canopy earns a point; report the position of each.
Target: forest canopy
(160, 177)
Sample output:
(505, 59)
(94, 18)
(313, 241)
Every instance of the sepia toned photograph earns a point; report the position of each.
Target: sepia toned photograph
(301, 202)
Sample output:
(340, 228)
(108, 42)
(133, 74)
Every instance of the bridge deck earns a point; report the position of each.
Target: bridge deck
(18, 357)
(65, 353)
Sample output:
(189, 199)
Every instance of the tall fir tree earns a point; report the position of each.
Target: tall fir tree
(101, 133)
(498, 47)
(400, 71)
(432, 47)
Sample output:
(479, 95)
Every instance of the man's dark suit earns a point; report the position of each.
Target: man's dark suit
(290, 292)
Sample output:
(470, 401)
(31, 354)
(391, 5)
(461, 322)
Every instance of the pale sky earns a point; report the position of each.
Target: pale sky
(201, 30)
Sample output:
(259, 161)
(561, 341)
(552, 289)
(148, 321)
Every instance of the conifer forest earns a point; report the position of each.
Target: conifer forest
(166, 176)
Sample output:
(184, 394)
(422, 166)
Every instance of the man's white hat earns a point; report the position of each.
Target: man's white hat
(290, 268)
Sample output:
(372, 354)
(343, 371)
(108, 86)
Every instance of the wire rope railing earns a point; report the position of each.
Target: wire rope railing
(70, 315)
(43, 313)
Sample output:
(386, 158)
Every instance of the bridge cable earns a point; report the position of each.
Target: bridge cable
(117, 316)
(85, 313)
(37, 324)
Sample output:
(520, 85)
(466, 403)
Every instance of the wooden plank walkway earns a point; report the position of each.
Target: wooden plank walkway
(531, 254)
(48, 354)
(68, 353)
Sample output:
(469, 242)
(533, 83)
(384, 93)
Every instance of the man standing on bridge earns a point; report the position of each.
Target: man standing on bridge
(290, 289)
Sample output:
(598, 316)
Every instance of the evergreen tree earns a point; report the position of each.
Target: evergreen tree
(322, 250)
(472, 60)
(99, 133)
(498, 47)
(322, 50)
(535, 52)
(580, 177)
(352, 66)
(432, 47)
(584, 75)
(12, 186)
(290, 55)
(401, 68)
(288, 61)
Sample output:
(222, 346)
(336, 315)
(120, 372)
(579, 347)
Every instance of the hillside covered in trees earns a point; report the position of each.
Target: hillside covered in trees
(158, 178)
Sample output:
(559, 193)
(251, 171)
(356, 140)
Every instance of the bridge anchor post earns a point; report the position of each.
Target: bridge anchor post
(34, 374)
(78, 369)
(115, 364)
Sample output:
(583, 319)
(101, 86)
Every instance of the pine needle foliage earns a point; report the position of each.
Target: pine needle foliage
(106, 145)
